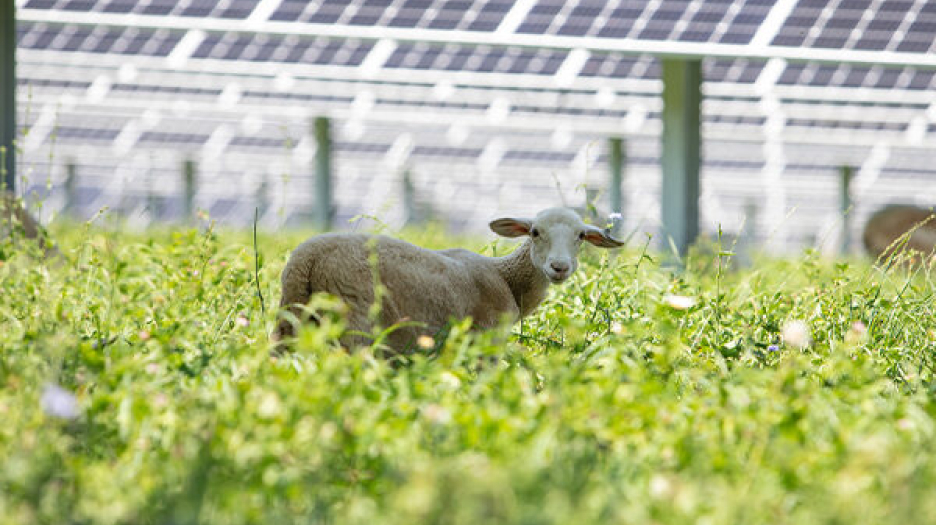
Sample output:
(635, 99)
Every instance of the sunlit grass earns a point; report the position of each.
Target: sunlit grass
(634, 395)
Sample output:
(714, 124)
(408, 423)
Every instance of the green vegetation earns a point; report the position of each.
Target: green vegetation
(633, 396)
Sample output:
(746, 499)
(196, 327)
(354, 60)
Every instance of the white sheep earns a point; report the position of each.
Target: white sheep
(426, 289)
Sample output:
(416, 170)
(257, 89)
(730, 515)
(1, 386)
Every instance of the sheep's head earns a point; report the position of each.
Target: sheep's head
(556, 235)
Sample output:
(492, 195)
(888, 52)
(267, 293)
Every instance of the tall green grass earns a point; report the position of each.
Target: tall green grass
(634, 395)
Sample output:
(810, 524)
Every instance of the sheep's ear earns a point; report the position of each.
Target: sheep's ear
(511, 227)
(601, 238)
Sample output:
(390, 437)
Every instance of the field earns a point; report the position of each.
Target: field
(137, 387)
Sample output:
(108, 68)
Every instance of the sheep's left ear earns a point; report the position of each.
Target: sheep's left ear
(601, 238)
(511, 227)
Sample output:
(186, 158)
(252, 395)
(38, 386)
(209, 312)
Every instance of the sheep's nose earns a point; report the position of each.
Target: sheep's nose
(559, 267)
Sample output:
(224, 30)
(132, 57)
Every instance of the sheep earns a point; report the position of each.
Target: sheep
(426, 289)
(889, 224)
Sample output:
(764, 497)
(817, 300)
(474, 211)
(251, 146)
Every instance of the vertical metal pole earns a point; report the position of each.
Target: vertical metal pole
(323, 183)
(846, 204)
(189, 184)
(615, 195)
(71, 182)
(749, 237)
(7, 95)
(409, 198)
(682, 98)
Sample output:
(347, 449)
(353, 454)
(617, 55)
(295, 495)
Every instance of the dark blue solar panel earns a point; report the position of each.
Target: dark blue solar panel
(855, 4)
(542, 62)
(175, 138)
(289, 10)
(921, 80)
(791, 74)
(40, 4)
(915, 46)
(592, 17)
(158, 7)
(79, 5)
(120, 6)
(76, 132)
(406, 18)
(573, 29)
(366, 17)
(855, 77)
(198, 8)
(822, 76)
(888, 78)
(873, 43)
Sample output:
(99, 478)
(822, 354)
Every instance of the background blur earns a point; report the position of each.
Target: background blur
(446, 109)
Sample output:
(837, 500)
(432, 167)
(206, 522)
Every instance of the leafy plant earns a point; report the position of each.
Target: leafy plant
(635, 394)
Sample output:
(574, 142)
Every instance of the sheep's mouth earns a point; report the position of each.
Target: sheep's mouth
(558, 278)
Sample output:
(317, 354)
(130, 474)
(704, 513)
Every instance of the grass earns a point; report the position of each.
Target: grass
(633, 395)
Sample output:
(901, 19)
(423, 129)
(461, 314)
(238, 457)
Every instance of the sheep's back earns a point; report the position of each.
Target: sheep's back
(423, 286)
(886, 226)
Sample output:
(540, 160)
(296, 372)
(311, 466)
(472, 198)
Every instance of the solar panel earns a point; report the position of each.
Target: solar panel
(476, 59)
(899, 25)
(469, 15)
(237, 9)
(275, 48)
(687, 20)
(131, 41)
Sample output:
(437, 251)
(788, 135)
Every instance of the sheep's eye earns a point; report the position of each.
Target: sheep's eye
(535, 232)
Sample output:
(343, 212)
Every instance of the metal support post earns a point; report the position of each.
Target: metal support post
(410, 214)
(189, 180)
(71, 183)
(847, 172)
(682, 98)
(615, 195)
(324, 212)
(7, 95)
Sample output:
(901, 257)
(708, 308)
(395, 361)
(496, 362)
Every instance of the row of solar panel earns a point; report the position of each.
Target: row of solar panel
(895, 25)
(470, 15)
(89, 134)
(722, 21)
(236, 9)
(900, 25)
(293, 49)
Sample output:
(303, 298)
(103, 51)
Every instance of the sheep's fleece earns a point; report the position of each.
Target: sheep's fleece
(425, 289)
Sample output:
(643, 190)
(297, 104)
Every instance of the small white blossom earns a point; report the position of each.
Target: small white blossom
(679, 302)
(450, 380)
(660, 486)
(796, 334)
(270, 406)
(58, 402)
(437, 414)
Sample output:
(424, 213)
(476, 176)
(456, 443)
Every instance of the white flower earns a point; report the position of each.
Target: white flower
(796, 334)
(679, 302)
(425, 342)
(437, 414)
(58, 402)
(449, 380)
(270, 406)
(660, 486)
